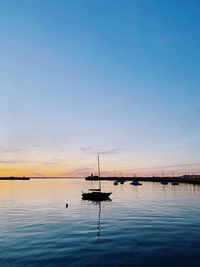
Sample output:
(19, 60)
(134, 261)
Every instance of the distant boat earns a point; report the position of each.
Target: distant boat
(96, 194)
(115, 183)
(164, 182)
(121, 182)
(135, 182)
(175, 183)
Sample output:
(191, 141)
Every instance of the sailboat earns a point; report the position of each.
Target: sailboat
(96, 194)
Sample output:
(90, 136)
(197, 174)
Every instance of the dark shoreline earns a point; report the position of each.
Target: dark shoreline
(14, 178)
(147, 179)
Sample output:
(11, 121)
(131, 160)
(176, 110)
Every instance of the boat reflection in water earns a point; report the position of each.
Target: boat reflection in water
(99, 222)
(98, 203)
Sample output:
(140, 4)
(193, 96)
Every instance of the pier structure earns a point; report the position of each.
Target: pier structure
(180, 179)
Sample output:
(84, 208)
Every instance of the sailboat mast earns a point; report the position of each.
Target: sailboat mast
(99, 172)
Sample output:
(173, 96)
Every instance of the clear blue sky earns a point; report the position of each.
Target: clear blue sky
(119, 78)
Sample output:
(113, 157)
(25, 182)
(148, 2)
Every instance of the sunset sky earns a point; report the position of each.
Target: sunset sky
(115, 78)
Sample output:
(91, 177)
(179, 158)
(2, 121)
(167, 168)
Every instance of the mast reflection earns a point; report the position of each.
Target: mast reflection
(98, 203)
(99, 222)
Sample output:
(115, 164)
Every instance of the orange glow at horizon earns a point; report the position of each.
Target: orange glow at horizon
(80, 171)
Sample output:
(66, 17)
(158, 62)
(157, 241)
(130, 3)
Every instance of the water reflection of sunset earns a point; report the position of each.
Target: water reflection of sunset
(39, 189)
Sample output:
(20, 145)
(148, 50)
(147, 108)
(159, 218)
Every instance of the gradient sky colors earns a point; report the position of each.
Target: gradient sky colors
(119, 78)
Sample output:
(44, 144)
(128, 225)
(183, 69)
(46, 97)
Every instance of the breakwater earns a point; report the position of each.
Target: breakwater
(148, 179)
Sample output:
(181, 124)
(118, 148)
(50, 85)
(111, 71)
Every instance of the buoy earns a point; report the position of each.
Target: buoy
(66, 205)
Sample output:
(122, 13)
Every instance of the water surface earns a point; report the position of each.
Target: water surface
(148, 225)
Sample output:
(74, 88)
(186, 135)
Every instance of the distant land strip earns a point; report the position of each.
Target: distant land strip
(14, 178)
(43, 177)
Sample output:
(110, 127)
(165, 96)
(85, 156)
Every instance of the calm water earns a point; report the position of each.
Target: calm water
(148, 225)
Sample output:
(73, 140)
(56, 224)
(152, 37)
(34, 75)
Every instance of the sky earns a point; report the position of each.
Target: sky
(114, 78)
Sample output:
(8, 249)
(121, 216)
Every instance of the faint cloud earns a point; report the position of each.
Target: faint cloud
(108, 151)
(99, 151)
(38, 174)
(86, 149)
(7, 150)
(83, 171)
(169, 166)
(19, 161)
(78, 172)
(49, 163)
(13, 161)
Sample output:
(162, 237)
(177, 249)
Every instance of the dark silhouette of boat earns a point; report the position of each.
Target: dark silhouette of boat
(96, 194)
(164, 182)
(135, 182)
(175, 183)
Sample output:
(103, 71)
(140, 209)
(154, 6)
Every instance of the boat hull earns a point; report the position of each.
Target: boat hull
(164, 182)
(96, 196)
(136, 184)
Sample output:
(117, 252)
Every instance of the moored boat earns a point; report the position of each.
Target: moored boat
(135, 182)
(96, 194)
(175, 183)
(164, 182)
